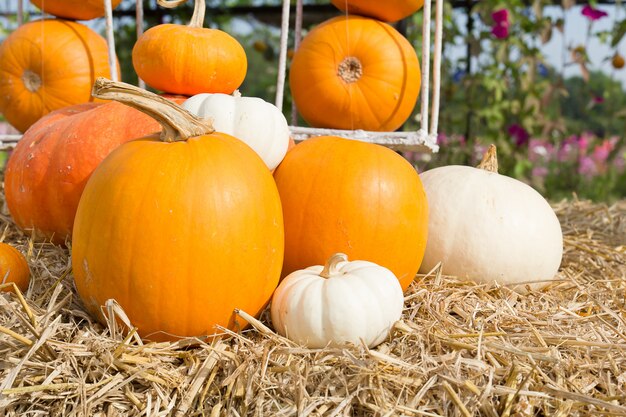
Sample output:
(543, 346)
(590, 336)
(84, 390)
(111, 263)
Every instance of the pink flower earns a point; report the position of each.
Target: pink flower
(601, 152)
(501, 17)
(598, 99)
(540, 172)
(500, 31)
(500, 28)
(587, 167)
(568, 151)
(518, 133)
(583, 142)
(593, 14)
(540, 150)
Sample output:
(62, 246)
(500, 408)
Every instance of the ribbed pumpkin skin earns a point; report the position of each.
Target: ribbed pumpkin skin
(74, 9)
(387, 11)
(179, 234)
(364, 200)
(13, 262)
(384, 95)
(189, 60)
(51, 164)
(66, 57)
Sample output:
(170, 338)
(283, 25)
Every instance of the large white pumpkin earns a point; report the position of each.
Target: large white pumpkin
(253, 120)
(488, 227)
(338, 303)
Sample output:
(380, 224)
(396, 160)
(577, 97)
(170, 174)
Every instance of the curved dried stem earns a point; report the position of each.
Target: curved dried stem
(490, 160)
(178, 124)
(199, 10)
(331, 264)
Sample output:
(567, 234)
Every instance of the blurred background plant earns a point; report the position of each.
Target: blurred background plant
(513, 75)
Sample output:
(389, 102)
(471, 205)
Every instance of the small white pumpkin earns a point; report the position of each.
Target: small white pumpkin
(488, 227)
(338, 303)
(253, 120)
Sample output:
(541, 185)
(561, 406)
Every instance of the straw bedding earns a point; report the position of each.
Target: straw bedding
(460, 349)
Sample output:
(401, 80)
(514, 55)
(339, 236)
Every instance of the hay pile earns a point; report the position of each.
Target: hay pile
(460, 350)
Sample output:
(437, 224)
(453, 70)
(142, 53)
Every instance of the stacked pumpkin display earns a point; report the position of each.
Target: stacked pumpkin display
(184, 226)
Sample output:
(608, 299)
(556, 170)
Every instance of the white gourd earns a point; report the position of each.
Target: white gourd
(251, 119)
(487, 227)
(338, 303)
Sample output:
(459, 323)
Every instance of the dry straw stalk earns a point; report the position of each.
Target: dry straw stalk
(460, 349)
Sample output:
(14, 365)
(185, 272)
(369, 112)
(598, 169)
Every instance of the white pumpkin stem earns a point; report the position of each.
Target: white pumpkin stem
(490, 160)
(330, 268)
(197, 19)
(178, 124)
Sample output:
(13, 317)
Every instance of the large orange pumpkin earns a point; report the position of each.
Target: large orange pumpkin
(51, 164)
(355, 73)
(387, 11)
(74, 9)
(361, 199)
(13, 268)
(190, 59)
(48, 64)
(179, 229)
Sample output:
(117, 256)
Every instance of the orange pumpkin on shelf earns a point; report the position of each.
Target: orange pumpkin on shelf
(74, 9)
(13, 268)
(47, 171)
(355, 73)
(48, 64)
(387, 11)
(180, 229)
(190, 59)
(361, 199)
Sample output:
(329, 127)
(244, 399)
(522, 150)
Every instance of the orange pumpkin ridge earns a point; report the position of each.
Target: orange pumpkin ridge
(74, 9)
(48, 64)
(180, 229)
(361, 199)
(13, 268)
(362, 72)
(387, 11)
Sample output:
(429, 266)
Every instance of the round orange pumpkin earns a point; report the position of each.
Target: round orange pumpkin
(361, 199)
(74, 9)
(190, 59)
(13, 268)
(179, 229)
(387, 11)
(355, 73)
(51, 164)
(48, 64)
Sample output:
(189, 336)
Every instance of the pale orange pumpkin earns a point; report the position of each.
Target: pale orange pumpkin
(51, 164)
(13, 268)
(387, 11)
(48, 64)
(355, 73)
(190, 59)
(361, 199)
(74, 9)
(180, 229)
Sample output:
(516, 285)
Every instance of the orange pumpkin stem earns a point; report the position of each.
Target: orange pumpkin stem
(178, 124)
(330, 268)
(197, 19)
(490, 160)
